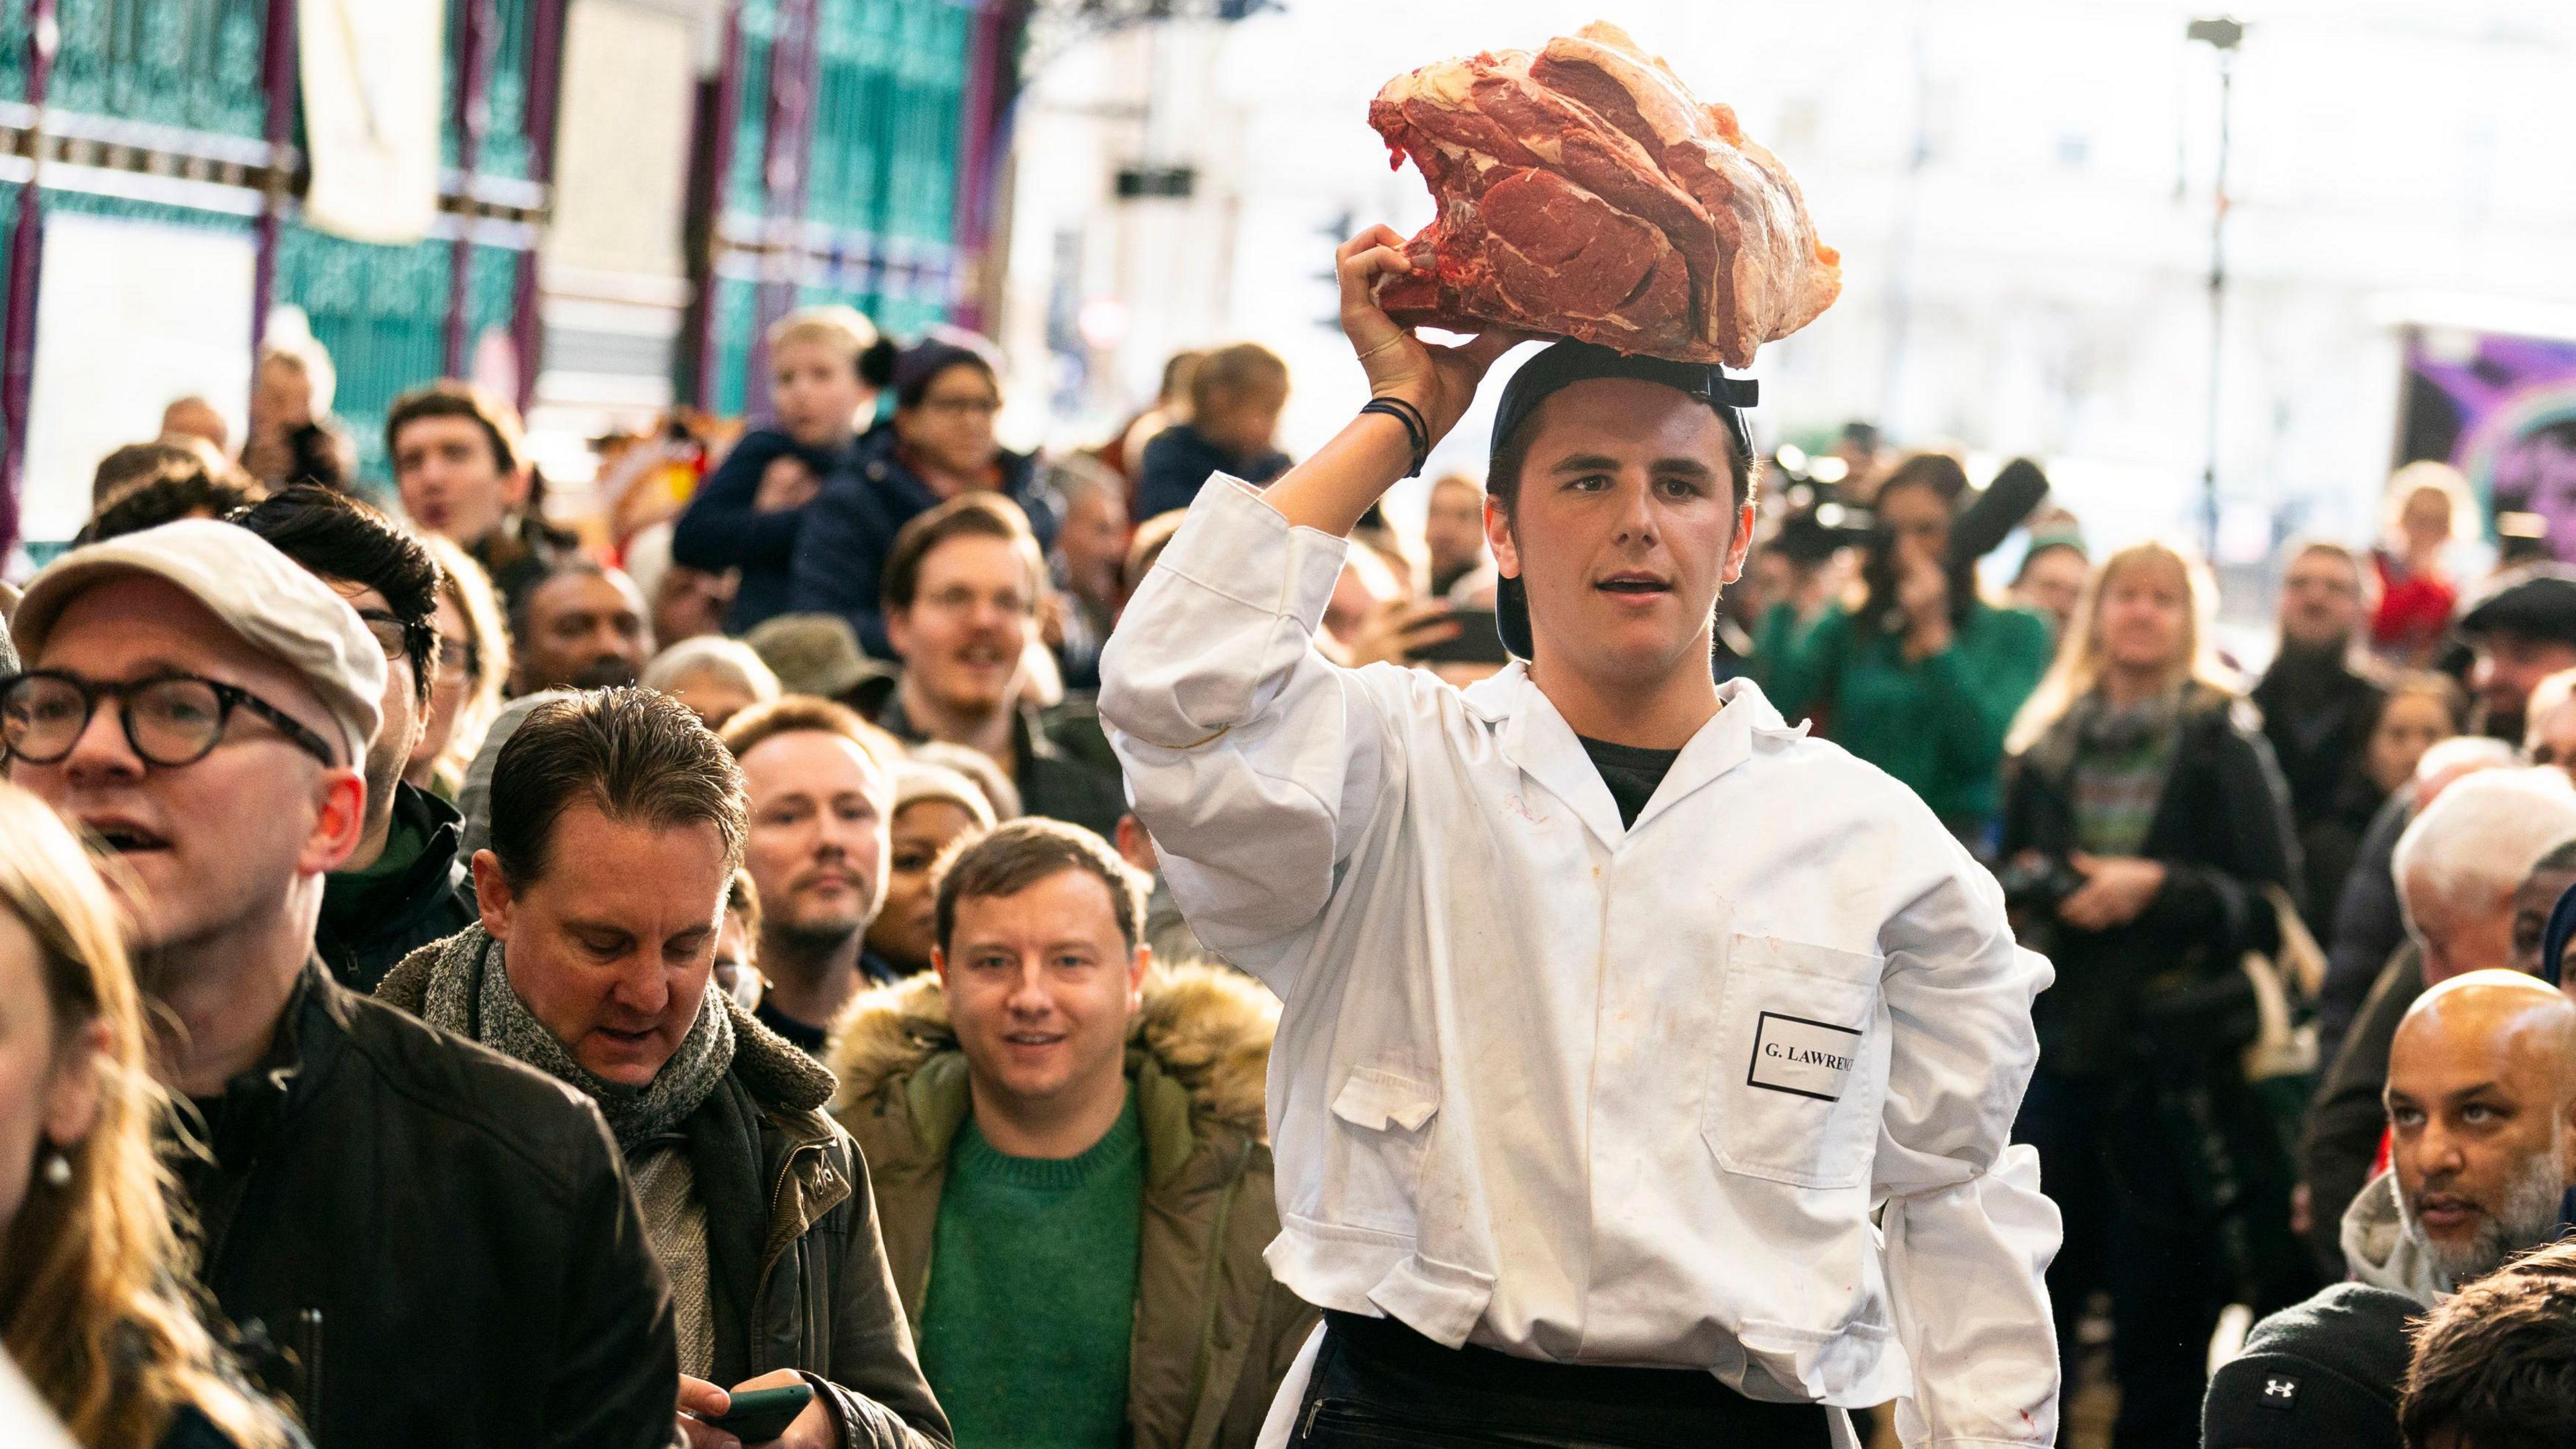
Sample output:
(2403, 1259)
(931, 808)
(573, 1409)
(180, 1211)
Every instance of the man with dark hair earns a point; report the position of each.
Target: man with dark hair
(462, 469)
(2318, 707)
(821, 798)
(1067, 1146)
(127, 468)
(963, 586)
(2524, 630)
(617, 823)
(176, 484)
(2495, 1365)
(1648, 1069)
(421, 1241)
(403, 887)
(578, 625)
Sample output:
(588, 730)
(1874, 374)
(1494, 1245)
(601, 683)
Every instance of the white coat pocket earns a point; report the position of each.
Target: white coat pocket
(1382, 1119)
(1797, 1084)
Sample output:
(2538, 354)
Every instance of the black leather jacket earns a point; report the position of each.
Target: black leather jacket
(426, 1243)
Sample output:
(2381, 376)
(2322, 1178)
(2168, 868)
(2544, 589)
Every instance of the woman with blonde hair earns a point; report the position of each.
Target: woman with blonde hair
(2146, 839)
(473, 665)
(95, 1297)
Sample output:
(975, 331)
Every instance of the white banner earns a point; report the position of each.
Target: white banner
(373, 74)
(130, 315)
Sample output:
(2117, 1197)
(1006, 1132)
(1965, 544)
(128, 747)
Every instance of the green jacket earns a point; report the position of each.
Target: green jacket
(1214, 1335)
(1936, 723)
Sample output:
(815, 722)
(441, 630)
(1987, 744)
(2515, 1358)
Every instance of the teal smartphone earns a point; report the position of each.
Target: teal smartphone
(761, 1415)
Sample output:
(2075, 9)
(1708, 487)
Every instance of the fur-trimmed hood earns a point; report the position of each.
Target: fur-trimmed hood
(1207, 1028)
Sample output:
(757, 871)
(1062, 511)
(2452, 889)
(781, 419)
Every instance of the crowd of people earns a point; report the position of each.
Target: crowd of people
(565, 981)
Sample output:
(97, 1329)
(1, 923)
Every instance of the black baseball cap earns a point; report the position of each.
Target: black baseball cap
(2326, 1371)
(1566, 363)
(2538, 602)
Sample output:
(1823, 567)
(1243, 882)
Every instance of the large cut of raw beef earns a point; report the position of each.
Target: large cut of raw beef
(1584, 193)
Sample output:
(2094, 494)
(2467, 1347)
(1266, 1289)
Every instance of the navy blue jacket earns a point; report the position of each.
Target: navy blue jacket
(722, 530)
(1178, 461)
(849, 528)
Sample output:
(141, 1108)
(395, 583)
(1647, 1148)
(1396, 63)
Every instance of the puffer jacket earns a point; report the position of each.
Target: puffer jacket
(1213, 1334)
(796, 1275)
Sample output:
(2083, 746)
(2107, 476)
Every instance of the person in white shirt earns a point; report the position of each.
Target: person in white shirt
(1647, 1068)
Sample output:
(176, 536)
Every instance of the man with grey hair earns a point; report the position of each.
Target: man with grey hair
(618, 820)
(2457, 867)
(716, 677)
(2481, 1098)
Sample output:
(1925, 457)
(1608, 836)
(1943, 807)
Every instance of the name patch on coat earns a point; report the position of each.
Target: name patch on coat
(1801, 1057)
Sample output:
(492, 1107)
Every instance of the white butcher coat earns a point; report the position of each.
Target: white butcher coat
(1730, 1088)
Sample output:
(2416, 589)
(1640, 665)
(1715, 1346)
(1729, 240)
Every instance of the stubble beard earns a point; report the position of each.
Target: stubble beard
(2527, 1218)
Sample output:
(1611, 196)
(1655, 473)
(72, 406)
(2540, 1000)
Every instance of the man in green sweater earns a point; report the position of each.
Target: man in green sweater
(1067, 1147)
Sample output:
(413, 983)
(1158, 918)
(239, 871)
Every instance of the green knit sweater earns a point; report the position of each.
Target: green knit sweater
(1032, 1296)
(1936, 723)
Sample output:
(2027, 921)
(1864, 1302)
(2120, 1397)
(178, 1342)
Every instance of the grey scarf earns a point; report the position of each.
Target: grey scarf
(469, 993)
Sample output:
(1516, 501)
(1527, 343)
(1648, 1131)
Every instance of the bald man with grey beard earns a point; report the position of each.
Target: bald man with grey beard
(2481, 1102)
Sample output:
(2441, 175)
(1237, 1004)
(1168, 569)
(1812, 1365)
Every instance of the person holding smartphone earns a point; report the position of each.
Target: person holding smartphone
(1647, 1068)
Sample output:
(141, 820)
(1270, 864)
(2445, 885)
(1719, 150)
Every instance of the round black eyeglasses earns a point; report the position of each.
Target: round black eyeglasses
(170, 719)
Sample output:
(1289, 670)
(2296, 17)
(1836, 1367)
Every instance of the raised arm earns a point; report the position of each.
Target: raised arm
(1254, 761)
(1330, 490)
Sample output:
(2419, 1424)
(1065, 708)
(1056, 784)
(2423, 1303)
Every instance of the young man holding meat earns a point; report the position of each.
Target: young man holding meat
(1617, 1010)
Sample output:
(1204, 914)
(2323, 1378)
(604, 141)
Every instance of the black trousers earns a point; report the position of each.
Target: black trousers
(1379, 1384)
(2108, 1163)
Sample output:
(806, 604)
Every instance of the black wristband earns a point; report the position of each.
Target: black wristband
(1417, 431)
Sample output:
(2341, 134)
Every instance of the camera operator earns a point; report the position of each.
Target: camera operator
(1921, 676)
(2145, 830)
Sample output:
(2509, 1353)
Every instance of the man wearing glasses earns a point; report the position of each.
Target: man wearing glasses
(403, 887)
(421, 1241)
(963, 587)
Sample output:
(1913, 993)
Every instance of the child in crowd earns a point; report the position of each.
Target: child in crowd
(826, 365)
(1236, 396)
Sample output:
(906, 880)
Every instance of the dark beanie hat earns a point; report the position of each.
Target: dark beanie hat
(1561, 366)
(916, 365)
(2325, 1372)
(2538, 602)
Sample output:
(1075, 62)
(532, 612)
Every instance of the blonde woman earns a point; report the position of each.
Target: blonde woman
(473, 664)
(93, 1302)
(2144, 828)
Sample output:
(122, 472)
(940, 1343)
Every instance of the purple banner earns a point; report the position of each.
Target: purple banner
(2503, 411)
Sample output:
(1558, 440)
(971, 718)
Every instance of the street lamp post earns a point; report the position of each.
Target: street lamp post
(2222, 35)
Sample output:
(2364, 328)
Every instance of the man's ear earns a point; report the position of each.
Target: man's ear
(339, 819)
(898, 627)
(1498, 537)
(514, 486)
(492, 894)
(1139, 962)
(2567, 1144)
(1741, 545)
(939, 968)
